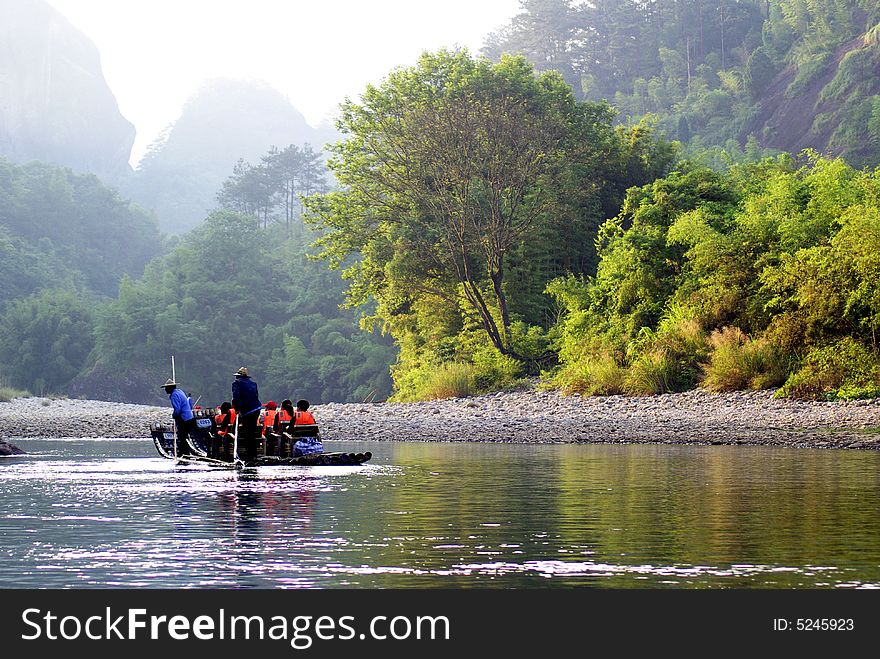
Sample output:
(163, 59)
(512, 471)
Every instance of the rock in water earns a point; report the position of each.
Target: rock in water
(9, 449)
(55, 105)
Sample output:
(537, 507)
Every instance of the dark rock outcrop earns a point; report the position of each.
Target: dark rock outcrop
(9, 449)
(55, 105)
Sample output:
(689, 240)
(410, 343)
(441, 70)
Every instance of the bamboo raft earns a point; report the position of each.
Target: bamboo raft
(206, 447)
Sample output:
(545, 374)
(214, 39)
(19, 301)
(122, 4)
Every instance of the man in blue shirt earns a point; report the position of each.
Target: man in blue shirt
(246, 401)
(182, 413)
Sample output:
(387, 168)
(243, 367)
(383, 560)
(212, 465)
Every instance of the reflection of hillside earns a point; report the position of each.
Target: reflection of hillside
(646, 505)
(714, 506)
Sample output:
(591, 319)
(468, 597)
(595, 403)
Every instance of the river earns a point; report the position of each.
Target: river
(111, 513)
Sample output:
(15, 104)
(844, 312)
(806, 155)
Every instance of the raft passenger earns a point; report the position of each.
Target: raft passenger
(246, 401)
(182, 414)
(225, 422)
(282, 427)
(269, 426)
(306, 445)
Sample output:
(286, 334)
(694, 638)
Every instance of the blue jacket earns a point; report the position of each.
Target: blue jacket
(245, 398)
(181, 404)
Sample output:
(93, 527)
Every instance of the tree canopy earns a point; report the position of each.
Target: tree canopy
(459, 179)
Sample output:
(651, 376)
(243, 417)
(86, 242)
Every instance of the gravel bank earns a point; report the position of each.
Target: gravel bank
(694, 417)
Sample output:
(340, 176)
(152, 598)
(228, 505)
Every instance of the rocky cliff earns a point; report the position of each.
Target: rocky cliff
(55, 105)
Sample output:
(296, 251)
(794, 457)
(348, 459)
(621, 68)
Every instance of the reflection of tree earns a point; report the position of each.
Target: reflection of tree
(630, 505)
(447, 505)
(716, 506)
(477, 496)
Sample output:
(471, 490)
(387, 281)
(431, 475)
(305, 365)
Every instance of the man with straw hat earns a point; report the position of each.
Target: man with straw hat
(246, 401)
(182, 413)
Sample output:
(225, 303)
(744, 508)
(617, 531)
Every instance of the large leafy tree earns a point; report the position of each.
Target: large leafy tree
(451, 170)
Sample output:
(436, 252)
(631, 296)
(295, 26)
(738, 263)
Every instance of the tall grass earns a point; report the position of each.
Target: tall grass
(8, 393)
(653, 372)
(450, 380)
(593, 376)
(737, 362)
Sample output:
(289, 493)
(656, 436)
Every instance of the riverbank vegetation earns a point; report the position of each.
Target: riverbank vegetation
(8, 393)
(764, 276)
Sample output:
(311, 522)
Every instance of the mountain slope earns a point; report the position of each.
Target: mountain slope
(226, 120)
(836, 111)
(55, 105)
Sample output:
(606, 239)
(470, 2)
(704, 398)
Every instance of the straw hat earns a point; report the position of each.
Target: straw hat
(242, 372)
(169, 383)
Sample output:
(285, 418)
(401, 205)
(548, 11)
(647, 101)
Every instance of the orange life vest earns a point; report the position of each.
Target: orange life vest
(284, 416)
(304, 418)
(269, 420)
(219, 420)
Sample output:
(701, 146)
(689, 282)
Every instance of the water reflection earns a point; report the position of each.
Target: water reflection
(104, 514)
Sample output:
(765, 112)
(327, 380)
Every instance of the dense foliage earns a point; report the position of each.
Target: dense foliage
(45, 339)
(65, 242)
(769, 275)
(63, 229)
(233, 293)
(466, 186)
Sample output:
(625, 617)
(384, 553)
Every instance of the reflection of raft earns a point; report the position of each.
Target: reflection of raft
(206, 447)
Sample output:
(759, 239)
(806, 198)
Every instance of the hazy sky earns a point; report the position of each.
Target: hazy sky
(155, 53)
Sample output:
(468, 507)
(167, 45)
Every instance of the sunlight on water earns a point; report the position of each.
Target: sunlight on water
(91, 513)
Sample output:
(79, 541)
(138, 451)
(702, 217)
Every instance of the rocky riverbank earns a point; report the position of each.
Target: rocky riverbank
(694, 417)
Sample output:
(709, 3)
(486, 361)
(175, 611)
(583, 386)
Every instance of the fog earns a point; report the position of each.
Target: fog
(156, 53)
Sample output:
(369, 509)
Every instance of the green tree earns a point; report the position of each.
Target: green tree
(456, 171)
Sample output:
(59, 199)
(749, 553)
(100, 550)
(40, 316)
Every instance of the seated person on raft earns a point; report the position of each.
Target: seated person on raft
(305, 445)
(225, 422)
(268, 422)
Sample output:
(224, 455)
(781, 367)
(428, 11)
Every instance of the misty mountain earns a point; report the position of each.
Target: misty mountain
(226, 120)
(55, 105)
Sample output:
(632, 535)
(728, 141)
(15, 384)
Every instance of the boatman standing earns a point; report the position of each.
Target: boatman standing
(246, 401)
(182, 413)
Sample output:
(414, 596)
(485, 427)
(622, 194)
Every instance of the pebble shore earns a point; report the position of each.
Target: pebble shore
(535, 417)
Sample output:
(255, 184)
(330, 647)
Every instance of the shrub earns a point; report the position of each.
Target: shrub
(737, 362)
(843, 370)
(593, 376)
(673, 353)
